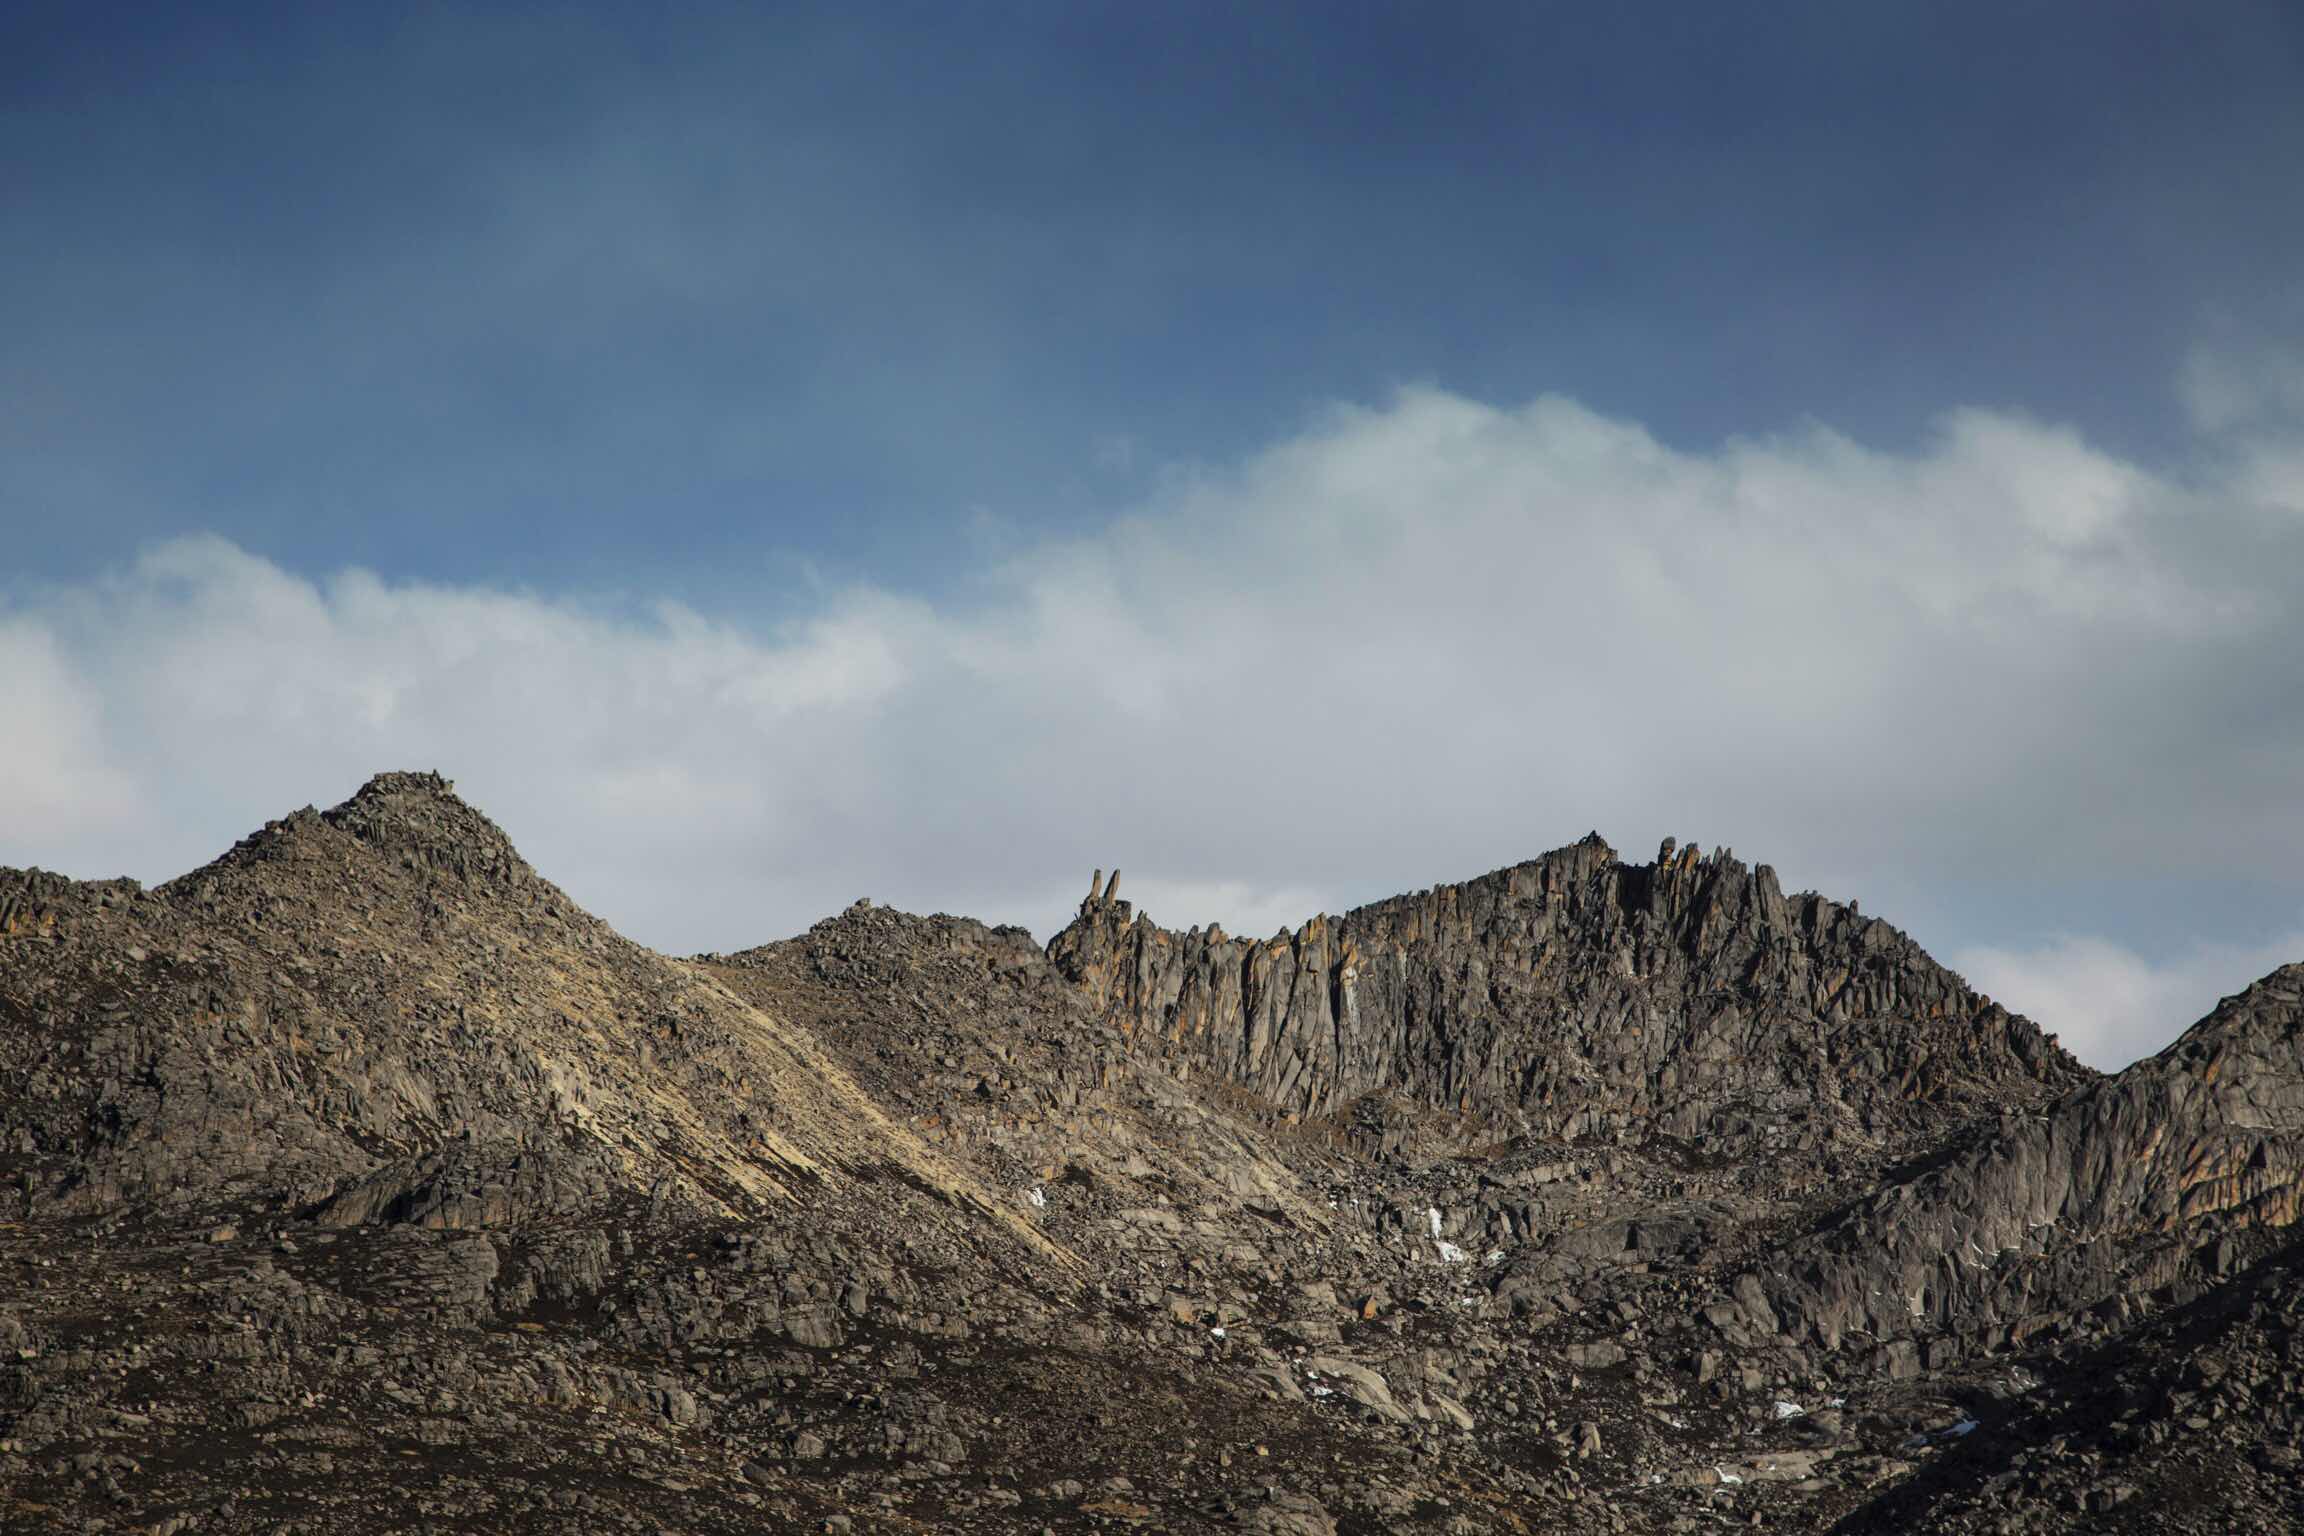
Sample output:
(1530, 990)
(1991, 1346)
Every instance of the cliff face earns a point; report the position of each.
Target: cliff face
(2135, 1189)
(1576, 996)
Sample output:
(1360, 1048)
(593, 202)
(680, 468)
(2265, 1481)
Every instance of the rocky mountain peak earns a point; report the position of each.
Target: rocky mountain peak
(1575, 995)
(418, 819)
(361, 1182)
(398, 827)
(2267, 1014)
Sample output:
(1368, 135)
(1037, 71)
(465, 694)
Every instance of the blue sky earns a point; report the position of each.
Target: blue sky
(850, 346)
(413, 285)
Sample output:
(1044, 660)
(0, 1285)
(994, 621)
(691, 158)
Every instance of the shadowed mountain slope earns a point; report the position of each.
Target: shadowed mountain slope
(2137, 1190)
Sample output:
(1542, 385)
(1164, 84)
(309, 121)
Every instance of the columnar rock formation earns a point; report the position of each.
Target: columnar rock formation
(1577, 996)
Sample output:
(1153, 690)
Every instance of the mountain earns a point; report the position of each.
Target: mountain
(360, 1181)
(1576, 997)
(381, 1012)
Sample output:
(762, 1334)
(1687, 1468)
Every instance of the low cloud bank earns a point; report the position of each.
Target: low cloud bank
(1411, 643)
(2110, 1004)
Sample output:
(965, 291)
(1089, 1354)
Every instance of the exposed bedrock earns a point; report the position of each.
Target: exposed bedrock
(381, 1013)
(1578, 996)
(2134, 1190)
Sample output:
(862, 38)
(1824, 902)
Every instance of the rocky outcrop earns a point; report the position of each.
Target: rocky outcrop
(2193, 1420)
(2131, 1192)
(361, 1182)
(1577, 996)
(382, 1012)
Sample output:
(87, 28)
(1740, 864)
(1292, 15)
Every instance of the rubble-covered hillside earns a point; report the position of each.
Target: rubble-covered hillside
(360, 1182)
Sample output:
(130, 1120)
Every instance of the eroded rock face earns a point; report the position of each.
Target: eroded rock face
(361, 1182)
(1579, 997)
(2165, 1176)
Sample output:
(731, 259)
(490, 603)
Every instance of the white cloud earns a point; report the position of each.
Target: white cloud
(2249, 396)
(56, 784)
(2271, 474)
(1413, 642)
(2236, 385)
(2109, 1004)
